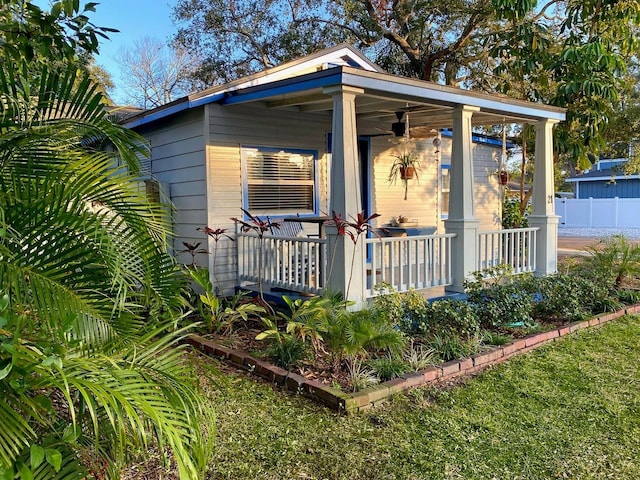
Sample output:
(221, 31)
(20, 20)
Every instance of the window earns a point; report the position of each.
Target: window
(444, 198)
(279, 181)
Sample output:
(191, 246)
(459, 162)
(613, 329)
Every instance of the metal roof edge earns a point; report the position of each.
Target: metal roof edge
(606, 177)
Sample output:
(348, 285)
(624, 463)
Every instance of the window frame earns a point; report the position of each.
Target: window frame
(289, 150)
(443, 167)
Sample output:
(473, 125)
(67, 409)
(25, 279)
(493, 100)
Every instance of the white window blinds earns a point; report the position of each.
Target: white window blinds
(279, 181)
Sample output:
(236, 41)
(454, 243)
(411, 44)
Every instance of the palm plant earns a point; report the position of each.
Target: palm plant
(84, 373)
(615, 258)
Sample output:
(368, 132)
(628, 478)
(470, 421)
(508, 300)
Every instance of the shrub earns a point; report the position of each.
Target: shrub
(512, 217)
(556, 296)
(453, 317)
(495, 338)
(221, 314)
(285, 350)
(361, 376)
(501, 305)
(629, 297)
(418, 357)
(388, 367)
(452, 347)
(615, 259)
(351, 334)
(288, 352)
(406, 310)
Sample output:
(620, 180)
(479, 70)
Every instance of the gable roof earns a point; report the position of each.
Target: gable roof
(340, 55)
(306, 85)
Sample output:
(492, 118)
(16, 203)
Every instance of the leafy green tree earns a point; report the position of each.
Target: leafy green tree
(569, 54)
(90, 371)
(241, 37)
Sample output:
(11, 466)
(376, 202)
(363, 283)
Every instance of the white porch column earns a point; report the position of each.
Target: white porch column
(543, 212)
(344, 197)
(462, 219)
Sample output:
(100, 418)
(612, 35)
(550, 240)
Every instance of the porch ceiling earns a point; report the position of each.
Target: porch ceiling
(429, 104)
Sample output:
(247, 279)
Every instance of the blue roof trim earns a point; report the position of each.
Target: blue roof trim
(290, 86)
(479, 138)
(178, 107)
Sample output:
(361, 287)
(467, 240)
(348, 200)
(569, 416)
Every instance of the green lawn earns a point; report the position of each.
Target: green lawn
(568, 410)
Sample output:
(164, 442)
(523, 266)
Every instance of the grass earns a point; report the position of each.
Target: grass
(568, 410)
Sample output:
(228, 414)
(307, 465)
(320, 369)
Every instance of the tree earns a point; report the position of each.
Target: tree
(238, 37)
(156, 74)
(89, 369)
(569, 54)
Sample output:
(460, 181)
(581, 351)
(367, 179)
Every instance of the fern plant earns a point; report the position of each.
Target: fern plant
(88, 361)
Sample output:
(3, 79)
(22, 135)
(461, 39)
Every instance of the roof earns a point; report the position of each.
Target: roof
(482, 138)
(305, 85)
(607, 174)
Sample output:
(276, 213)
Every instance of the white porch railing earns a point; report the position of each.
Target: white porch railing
(294, 263)
(515, 247)
(405, 263)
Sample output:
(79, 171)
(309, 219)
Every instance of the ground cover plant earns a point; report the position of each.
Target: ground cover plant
(404, 332)
(568, 410)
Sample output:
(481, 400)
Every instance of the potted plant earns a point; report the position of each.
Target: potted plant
(404, 166)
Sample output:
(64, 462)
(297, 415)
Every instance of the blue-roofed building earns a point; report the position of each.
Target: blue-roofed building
(606, 180)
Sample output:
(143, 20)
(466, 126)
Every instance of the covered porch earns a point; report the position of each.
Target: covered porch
(359, 103)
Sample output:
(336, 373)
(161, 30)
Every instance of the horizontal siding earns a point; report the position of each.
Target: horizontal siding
(177, 159)
(603, 189)
(486, 162)
(388, 199)
(422, 202)
(184, 160)
(229, 129)
(188, 189)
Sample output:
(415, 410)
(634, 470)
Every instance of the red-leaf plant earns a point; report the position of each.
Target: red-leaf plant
(352, 229)
(260, 227)
(193, 250)
(216, 234)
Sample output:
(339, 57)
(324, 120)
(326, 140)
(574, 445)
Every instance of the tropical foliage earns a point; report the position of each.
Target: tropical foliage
(90, 374)
(571, 54)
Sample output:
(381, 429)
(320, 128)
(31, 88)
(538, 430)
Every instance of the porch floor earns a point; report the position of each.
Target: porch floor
(275, 295)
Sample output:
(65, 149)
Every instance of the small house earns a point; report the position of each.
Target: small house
(321, 134)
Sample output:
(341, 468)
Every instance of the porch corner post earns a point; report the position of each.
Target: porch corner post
(462, 220)
(543, 212)
(346, 259)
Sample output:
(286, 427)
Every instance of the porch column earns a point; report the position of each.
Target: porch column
(543, 212)
(462, 219)
(344, 198)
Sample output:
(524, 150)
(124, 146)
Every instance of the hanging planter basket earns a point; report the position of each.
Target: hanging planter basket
(503, 177)
(407, 173)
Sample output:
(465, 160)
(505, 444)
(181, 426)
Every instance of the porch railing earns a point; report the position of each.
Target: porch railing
(405, 263)
(293, 263)
(515, 247)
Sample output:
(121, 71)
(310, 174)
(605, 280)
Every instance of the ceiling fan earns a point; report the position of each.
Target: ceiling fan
(402, 132)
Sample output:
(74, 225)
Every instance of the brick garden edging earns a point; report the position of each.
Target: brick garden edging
(363, 399)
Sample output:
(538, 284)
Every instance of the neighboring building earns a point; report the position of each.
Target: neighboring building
(606, 180)
(307, 138)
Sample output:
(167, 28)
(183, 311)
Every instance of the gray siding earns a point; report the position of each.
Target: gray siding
(177, 160)
(231, 127)
(602, 189)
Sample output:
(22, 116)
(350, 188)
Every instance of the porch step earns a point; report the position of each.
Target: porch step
(274, 296)
(449, 296)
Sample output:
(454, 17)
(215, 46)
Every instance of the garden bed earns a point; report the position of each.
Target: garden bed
(364, 399)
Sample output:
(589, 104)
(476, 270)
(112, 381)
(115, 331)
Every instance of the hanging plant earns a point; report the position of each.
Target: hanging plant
(405, 167)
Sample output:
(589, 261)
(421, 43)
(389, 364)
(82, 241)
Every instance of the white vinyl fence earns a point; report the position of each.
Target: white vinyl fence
(598, 212)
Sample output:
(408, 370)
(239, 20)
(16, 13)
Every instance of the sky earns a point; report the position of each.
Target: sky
(135, 19)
